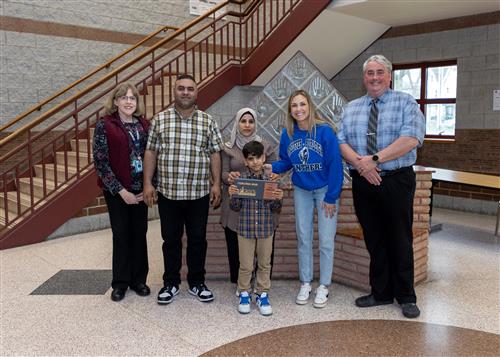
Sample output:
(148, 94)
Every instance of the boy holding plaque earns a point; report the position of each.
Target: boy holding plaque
(256, 199)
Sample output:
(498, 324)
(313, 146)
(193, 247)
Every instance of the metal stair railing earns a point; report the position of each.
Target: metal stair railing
(204, 48)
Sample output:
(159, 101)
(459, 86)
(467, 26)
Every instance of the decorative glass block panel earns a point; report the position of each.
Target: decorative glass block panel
(271, 104)
(298, 69)
(279, 89)
(318, 88)
(264, 107)
(333, 108)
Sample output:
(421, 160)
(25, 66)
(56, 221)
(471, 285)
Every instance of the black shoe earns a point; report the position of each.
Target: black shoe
(118, 294)
(141, 289)
(167, 293)
(369, 301)
(410, 310)
(201, 292)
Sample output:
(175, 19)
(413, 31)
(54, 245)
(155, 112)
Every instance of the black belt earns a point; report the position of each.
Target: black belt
(385, 173)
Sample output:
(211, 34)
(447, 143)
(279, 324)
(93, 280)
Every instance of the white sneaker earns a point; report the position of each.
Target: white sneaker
(321, 297)
(303, 295)
(244, 305)
(264, 305)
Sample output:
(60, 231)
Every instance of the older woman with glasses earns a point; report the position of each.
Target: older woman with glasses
(119, 142)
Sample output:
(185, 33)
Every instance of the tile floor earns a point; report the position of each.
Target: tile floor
(462, 290)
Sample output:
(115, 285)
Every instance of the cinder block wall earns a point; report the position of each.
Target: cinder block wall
(477, 50)
(50, 44)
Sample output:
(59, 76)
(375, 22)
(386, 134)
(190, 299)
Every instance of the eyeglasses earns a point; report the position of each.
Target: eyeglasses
(124, 98)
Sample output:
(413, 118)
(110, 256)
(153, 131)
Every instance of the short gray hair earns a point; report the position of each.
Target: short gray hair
(379, 59)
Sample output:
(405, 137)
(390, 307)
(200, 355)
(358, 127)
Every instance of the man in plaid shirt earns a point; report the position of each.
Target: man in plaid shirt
(183, 148)
(255, 232)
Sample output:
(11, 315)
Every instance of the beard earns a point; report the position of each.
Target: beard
(185, 103)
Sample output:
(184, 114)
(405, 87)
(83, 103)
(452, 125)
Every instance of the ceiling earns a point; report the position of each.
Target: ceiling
(348, 27)
(408, 12)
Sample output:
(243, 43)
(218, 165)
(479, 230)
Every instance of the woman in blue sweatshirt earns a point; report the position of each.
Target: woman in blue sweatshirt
(309, 147)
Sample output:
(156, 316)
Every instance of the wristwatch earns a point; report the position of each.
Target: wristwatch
(375, 158)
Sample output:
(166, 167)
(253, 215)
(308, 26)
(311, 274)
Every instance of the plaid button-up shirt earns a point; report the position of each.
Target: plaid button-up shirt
(398, 115)
(183, 148)
(256, 216)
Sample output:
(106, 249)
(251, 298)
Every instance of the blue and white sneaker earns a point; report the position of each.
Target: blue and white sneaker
(244, 305)
(264, 305)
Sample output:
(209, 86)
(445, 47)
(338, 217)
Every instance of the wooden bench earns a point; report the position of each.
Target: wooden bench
(467, 178)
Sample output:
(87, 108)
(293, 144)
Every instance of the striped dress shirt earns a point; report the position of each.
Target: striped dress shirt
(398, 115)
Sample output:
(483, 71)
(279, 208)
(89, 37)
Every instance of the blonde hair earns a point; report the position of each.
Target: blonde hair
(119, 91)
(313, 118)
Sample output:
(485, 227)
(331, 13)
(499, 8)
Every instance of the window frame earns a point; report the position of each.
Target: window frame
(423, 101)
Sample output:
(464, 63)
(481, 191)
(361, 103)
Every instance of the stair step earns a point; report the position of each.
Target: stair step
(24, 186)
(149, 96)
(49, 172)
(2, 218)
(82, 145)
(84, 160)
(12, 201)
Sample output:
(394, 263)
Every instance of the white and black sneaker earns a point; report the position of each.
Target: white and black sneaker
(201, 292)
(167, 293)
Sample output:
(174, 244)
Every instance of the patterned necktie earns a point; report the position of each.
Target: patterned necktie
(371, 136)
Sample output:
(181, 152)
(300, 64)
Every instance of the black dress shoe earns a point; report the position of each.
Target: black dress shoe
(141, 289)
(410, 310)
(369, 301)
(118, 294)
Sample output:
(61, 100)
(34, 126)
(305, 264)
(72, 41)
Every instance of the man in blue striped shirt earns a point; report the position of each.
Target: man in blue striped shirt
(379, 137)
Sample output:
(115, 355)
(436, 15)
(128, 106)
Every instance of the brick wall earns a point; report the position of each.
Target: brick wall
(466, 191)
(351, 261)
(473, 150)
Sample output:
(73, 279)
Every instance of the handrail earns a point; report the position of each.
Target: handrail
(51, 156)
(81, 93)
(38, 106)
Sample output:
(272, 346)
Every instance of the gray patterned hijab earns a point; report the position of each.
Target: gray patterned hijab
(236, 137)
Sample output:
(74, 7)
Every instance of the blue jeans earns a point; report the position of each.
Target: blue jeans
(305, 201)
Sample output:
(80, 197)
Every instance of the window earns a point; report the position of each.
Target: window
(434, 86)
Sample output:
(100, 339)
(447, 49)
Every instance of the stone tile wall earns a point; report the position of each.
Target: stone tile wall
(33, 66)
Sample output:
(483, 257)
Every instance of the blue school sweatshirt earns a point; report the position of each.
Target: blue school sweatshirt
(315, 161)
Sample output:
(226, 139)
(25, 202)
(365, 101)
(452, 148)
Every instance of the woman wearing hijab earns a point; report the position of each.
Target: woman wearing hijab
(233, 164)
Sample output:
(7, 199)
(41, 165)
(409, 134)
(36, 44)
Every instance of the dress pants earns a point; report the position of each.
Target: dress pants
(385, 213)
(129, 224)
(174, 216)
(248, 248)
(233, 254)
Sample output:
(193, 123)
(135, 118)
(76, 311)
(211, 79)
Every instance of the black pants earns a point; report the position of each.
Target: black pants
(174, 216)
(129, 224)
(233, 254)
(385, 213)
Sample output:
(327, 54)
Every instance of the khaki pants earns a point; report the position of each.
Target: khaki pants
(248, 248)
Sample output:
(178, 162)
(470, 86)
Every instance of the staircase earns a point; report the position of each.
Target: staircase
(47, 176)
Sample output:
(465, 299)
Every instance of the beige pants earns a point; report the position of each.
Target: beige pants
(248, 248)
